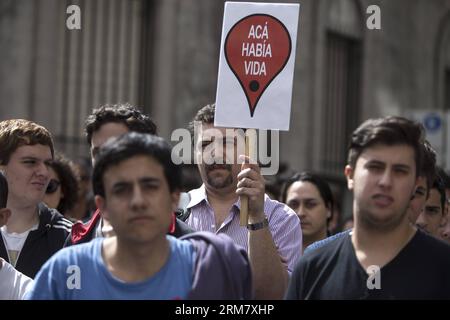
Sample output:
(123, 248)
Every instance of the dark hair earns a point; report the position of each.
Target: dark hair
(321, 185)
(438, 184)
(204, 115)
(133, 144)
(68, 177)
(3, 190)
(445, 179)
(15, 133)
(390, 131)
(428, 168)
(129, 115)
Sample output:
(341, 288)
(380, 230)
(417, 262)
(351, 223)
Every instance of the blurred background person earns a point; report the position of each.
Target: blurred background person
(311, 198)
(84, 206)
(425, 180)
(433, 215)
(62, 190)
(444, 229)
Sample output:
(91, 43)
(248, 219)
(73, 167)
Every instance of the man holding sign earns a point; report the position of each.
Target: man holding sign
(272, 237)
(254, 90)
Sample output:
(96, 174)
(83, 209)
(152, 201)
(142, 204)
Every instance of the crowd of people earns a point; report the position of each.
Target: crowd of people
(129, 229)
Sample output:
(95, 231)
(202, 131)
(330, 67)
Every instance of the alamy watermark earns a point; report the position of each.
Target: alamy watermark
(73, 22)
(223, 146)
(374, 279)
(74, 279)
(374, 20)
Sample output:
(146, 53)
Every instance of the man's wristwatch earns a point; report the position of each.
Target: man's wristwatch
(259, 225)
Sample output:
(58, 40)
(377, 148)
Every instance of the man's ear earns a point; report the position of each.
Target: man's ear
(100, 202)
(5, 213)
(175, 199)
(348, 171)
(328, 214)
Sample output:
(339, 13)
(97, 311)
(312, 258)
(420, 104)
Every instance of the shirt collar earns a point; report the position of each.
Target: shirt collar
(199, 195)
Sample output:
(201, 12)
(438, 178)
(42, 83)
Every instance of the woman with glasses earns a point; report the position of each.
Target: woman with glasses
(62, 190)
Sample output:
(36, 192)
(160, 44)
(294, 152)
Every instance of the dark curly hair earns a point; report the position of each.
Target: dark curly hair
(69, 179)
(389, 131)
(127, 114)
(130, 145)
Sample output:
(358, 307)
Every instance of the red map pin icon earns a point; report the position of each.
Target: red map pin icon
(257, 48)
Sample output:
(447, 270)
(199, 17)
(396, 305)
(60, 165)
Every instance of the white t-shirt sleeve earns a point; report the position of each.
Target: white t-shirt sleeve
(14, 285)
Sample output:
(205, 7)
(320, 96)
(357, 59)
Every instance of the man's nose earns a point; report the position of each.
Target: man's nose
(137, 199)
(42, 169)
(386, 178)
(301, 212)
(421, 222)
(218, 152)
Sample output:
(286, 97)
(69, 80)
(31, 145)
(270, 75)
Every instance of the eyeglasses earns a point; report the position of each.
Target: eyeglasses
(52, 186)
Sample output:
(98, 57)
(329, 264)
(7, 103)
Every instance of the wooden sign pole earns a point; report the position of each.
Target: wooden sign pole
(249, 148)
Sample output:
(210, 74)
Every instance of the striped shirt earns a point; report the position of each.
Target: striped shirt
(284, 224)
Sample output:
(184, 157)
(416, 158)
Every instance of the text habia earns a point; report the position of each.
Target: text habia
(256, 49)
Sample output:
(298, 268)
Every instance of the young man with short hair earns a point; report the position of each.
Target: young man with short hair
(106, 122)
(136, 187)
(33, 232)
(385, 256)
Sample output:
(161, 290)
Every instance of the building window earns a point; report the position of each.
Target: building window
(342, 95)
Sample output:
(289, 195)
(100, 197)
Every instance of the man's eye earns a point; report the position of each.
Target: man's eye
(401, 170)
(310, 205)
(149, 186)
(293, 205)
(120, 189)
(420, 192)
(432, 211)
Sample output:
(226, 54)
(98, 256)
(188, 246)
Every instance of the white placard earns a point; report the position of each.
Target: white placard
(256, 67)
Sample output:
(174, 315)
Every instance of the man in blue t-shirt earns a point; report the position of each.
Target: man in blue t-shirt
(137, 188)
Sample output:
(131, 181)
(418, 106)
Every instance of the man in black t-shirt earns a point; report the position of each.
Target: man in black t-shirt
(385, 256)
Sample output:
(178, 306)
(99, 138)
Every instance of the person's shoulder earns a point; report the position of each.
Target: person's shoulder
(179, 245)
(222, 268)
(278, 210)
(328, 251)
(9, 272)
(79, 252)
(15, 283)
(210, 244)
(430, 245)
(321, 243)
(208, 238)
(53, 220)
